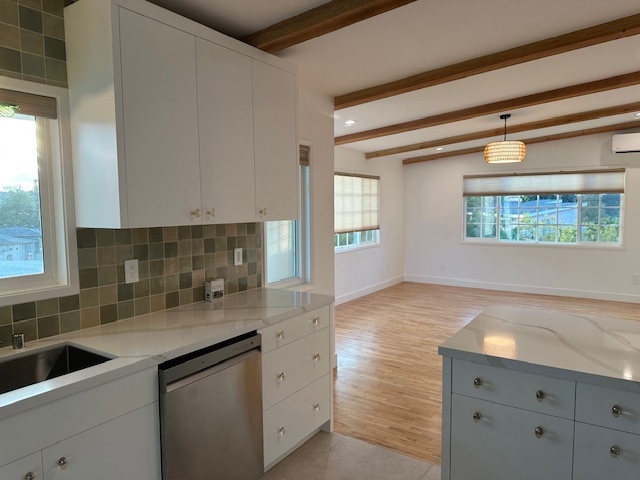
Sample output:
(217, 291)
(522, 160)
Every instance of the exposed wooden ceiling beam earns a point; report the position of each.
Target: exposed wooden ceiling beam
(528, 141)
(564, 93)
(605, 32)
(524, 127)
(318, 21)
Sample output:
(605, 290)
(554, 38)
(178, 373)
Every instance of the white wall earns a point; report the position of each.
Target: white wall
(315, 125)
(363, 271)
(434, 252)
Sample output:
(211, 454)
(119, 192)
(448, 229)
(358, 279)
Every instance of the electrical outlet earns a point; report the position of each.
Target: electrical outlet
(131, 274)
(635, 278)
(237, 257)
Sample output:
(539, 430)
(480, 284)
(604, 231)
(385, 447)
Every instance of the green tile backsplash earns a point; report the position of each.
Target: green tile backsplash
(32, 41)
(173, 263)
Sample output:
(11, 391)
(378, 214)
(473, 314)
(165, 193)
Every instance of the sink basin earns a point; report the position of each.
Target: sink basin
(45, 364)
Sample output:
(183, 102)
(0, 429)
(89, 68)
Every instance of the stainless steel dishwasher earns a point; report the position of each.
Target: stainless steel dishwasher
(211, 413)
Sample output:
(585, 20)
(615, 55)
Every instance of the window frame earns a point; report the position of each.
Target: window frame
(57, 206)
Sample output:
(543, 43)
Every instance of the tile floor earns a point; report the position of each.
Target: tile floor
(332, 456)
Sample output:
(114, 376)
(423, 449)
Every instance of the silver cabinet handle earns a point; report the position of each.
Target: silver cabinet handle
(539, 432)
(263, 211)
(614, 451)
(316, 407)
(282, 377)
(196, 213)
(477, 382)
(316, 321)
(282, 431)
(211, 212)
(616, 410)
(30, 476)
(540, 395)
(316, 357)
(63, 463)
(476, 416)
(280, 335)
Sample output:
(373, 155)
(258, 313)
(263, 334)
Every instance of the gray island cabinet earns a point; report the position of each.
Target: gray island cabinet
(530, 394)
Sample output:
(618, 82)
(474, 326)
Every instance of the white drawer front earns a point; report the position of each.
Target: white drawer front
(19, 469)
(293, 419)
(537, 393)
(290, 368)
(502, 444)
(293, 329)
(593, 459)
(607, 407)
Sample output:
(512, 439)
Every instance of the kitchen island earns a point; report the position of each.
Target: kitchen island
(531, 394)
(107, 414)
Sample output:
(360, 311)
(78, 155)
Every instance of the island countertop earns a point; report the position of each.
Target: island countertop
(573, 346)
(148, 340)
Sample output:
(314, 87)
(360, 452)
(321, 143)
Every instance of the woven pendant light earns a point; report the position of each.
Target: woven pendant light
(505, 151)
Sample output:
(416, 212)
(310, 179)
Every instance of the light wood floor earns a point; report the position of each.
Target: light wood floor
(388, 382)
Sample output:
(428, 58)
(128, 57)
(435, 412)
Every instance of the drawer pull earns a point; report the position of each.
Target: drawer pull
(477, 382)
(30, 476)
(539, 432)
(316, 321)
(476, 416)
(316, 357)
(540, 395)
(63, 463)
(614, 451)
(196, 213)
(282, 431)
(616, 410)
(280, 335)
(282, 377)
(316, 407)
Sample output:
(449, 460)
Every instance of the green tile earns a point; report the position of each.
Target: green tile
(143, 269)
(107, 275)
(139, 236)
(242, 284)
(197, 246)
(170, 249)
(259, 280)
(106, 256)
(105, 237)
(45, 308)
(125, 309)
(171, 283)
(184, 233)
(54, 48)
(185, 264)
(24, 311)
(156, 251)
(198, 294)
(231, 287)
(89, 317)
(123, 252)
(30, 19)
(89, 298)
(156, 268)
(155, 235)
(156, 285)
(209, 245)
(35, 4)
(108, 313)
(221, 230)
(10, 60)
(67, 304)
(120, 273)
(88, 278)
(197, 262)
(86, 237)
(186, 296)
(172, 300)
(33, 65)
(108, 294)
(171, 266)
(141, 289)
(209, 231)
(252, 281)
(184, 248)
(29, 328)
(232, 243)
(123, 237)
(56, 70)
(241, 241)
(252, 268)
(251, 229)
(9, 36)
(70, 321)
(231, 229)
(87, 258)
(221, 244)
(125, 292)
(210, 261)
(140, 252)
(6, 332)
(169, 234)
(31, 42)
(5, 315)
(241, 229)
(48, 326)
(141, 306)
(54, 7)
(185, 280)
(53, 26)
(9, 13)
(197, 231)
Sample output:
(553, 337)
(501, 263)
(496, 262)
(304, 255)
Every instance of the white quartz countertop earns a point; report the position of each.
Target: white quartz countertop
(574, 346)
(148, 340)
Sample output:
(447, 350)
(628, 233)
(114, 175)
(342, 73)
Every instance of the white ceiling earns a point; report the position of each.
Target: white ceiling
(428, 34)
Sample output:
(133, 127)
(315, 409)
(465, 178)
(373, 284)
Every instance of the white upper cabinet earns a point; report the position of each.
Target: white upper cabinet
(225, 114)
(174, 123)
(276, 151)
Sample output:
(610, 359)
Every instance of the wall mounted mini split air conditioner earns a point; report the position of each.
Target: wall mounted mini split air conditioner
(626, 143)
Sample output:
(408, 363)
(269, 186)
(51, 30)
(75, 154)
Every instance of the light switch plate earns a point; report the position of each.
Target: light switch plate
(237, 257)
(131, 274)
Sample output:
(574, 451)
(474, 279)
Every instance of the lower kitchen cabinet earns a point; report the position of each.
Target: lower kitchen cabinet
(126, 447)
(27, 468)
(497, 442)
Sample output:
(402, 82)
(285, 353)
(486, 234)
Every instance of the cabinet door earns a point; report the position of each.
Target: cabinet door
(225, 113)
(275, 142)
(593, 457)
(19, 469)
(502, 445)
(160, 122)
(126, 447)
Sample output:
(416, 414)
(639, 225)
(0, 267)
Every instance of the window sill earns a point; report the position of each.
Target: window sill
(580, 246)
(355, 248)
(296, 284)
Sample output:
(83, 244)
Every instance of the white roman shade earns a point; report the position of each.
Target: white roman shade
(356, 202)
(586, 181)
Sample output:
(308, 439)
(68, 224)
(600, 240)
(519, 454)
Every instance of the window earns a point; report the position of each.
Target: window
(356, 211)
(287, 241)
(566, 208)
(35, 231)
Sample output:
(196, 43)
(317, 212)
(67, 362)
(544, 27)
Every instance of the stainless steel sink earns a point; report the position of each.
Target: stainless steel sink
(45, 364)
